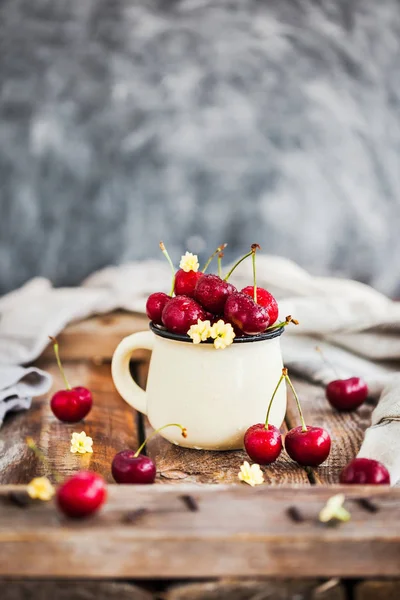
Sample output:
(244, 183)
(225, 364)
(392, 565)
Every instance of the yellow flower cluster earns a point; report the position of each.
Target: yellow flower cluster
(40, 488)
(251, 474)
(81, 443)
(189, 262)
(222, 333)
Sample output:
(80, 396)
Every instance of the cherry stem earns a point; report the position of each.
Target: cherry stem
(57, 353)
(217, 251)
(282, 377)
(237, 264)
(288, 319)
(41, 456)
(167, 256)
(303, 423)
(327, 362)
(254, 248)
(183, 430)
(220, 257)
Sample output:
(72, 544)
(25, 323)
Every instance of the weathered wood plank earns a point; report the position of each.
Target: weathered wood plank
(175, 464)
(238, 531)
(377, 590)
(345, 429)
(111, 423)
(71, 590)
(262, 589)
(97, 337)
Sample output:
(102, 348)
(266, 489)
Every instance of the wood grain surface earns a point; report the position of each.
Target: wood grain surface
(111, 423)
(235, 531)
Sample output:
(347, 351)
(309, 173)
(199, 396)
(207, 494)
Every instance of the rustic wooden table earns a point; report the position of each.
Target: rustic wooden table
(231, 541)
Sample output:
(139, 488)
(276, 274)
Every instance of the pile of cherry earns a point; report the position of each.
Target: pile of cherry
(196, 295)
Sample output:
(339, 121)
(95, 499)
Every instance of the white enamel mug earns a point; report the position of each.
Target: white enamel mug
(215, 394)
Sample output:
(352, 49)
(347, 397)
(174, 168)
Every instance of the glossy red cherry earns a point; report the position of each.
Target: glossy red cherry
(263, 445)
(180, 313)
(347, 394)
(245, 314)
(212, 292)
(365, 471)
(133, 467)
(155, 305)
(309, 448)
(185, 282)
(72, 404)
(126, 467)
(81, 495)
(265, 299)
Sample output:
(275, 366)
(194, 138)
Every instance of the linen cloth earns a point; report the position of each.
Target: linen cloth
(357, 327)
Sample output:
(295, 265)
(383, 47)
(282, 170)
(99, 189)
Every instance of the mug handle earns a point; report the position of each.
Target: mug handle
(130, 391)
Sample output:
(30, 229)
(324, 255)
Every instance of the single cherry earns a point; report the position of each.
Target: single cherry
(344, 394)
(180, 313)
(263, 442)
(347, 394)
(72, 404)
(212, 293)
(155, 305)
(133, 467)
(185, 282)
(245, 314)
(265, 299)
(308, 446)
(365, 471)
(82, 494)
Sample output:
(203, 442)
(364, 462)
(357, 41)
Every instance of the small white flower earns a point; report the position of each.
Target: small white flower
(200, 332)
(251, 474)
(334, 509)
(223, 334)
(40, 488)
(81, 443)
(189, 262)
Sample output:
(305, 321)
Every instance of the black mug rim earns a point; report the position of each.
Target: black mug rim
(178, 337)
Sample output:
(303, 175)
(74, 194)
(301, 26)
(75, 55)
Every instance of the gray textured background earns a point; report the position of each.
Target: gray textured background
(123, 122)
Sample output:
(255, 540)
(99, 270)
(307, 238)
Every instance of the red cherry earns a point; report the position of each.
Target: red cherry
(308, 448)
(128, 468)
(180, 313)
(365, 471)
(212, 292)
(263, 445)
(244, 313)
(265, 299)
(71, 406)
(347, 394)
(82, 494)
(185, 282)
(155, 305)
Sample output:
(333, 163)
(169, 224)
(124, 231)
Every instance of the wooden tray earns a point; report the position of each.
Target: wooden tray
(225, 529)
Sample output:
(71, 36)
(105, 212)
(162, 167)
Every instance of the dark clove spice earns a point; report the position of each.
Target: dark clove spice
(131, 518)
(20, 499)
(368, 505)
(295, 515)
(190, 503)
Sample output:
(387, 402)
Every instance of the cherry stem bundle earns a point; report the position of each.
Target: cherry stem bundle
(41, 456)
(218, 251)
(167, 256)
(282, 377)
(57, 353)
(286, 376)
(288, 319)
(327, 362)
(239, 261)
(183, 430)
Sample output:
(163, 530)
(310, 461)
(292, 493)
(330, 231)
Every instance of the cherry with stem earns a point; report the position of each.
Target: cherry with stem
(132, 467)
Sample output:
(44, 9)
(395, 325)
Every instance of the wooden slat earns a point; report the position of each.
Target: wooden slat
(111, 423)
(97, 337)
(238, 531)
(175, 464)
(346, 429)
